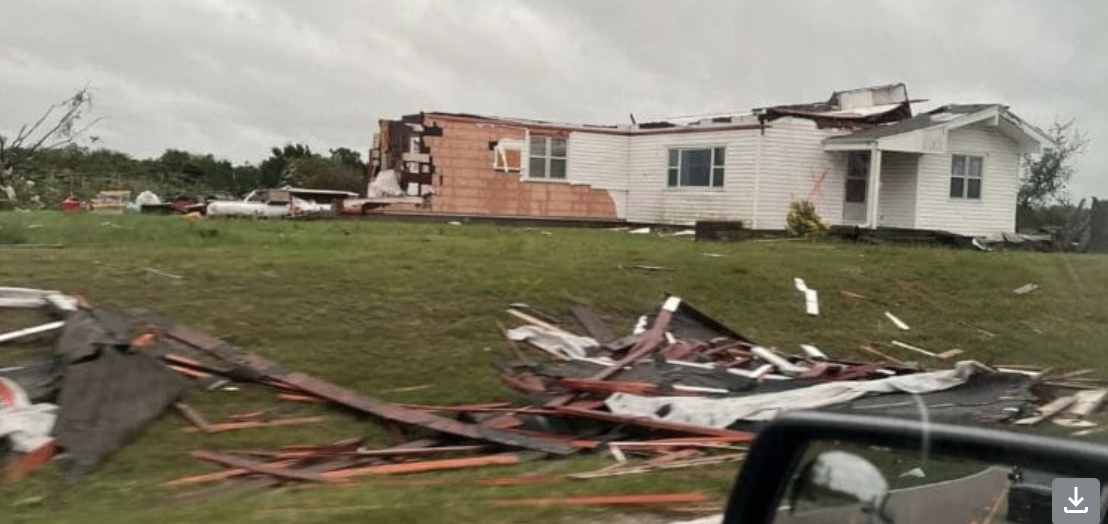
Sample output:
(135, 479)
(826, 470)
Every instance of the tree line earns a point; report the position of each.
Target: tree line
(81, 171)
(56, 157)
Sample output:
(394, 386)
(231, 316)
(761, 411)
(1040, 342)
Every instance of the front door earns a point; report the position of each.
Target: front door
(857, 183)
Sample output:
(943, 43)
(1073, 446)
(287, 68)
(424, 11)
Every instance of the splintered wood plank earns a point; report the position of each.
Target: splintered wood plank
(268, 370)
(505, 459)
(739, 436)
(254, 466)
(235, 426)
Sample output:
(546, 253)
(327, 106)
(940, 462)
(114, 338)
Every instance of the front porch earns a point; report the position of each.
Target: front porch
(880, 188)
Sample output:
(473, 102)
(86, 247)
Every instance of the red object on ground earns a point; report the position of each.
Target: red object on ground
(72, 205)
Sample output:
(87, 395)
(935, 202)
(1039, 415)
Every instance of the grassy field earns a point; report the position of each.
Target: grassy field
(407, 312)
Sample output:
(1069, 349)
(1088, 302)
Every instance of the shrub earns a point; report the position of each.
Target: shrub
(803, 220)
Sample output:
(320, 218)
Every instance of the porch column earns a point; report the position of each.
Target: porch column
(873, 192)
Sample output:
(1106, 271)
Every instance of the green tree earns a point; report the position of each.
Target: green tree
(1046, 175)
(277, 170)
(327, 173)
(348, 157)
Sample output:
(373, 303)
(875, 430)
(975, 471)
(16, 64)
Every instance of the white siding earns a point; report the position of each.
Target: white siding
(600, 161)
(996, 210)
(649, 200)
(897, 201)
(793, 163)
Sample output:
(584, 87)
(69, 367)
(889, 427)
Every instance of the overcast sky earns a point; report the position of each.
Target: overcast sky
(235, 77)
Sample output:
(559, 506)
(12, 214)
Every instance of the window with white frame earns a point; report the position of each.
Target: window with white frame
(695, 167)
(547, 157)
(965, 176)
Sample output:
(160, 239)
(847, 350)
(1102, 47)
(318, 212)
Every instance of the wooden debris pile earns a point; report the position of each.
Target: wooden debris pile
(563, 381)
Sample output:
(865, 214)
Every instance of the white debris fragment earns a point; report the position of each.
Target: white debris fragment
(24, 425)
(811, 297)
(560, 344)
(813, 352)
(916, 473)
(899, 323)
(26, 332)
(640, 231)
(779, 362)
(1025, 289)
(910, 347)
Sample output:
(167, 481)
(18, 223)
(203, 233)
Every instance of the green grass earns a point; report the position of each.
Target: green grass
(379, 307)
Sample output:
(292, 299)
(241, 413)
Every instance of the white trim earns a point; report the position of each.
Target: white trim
(873, 198)
(854, 146)
(757, 181)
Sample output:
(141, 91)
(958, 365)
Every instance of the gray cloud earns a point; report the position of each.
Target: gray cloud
(235, 77)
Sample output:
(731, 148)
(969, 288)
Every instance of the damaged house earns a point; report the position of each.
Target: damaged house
(861, 157)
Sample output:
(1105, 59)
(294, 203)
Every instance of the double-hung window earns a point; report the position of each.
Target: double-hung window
(965, 177)
(547, 157)
(695, 167)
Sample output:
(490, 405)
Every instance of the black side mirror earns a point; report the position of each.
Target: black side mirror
(804, 455)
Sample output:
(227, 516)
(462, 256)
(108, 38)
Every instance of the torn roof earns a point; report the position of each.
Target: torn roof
(879, 111)
(849, 108)
(925, 120)
(949, 117)
(716, 123)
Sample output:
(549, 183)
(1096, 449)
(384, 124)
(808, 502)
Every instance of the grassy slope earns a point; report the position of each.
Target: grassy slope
(379, 307)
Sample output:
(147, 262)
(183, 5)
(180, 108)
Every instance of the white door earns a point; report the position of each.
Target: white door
(857, 183)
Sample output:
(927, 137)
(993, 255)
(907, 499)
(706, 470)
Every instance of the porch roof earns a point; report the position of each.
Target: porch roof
(926, 133)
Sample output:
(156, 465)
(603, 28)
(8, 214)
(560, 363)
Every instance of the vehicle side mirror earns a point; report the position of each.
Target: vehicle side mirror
(844, 475)
(814, 467)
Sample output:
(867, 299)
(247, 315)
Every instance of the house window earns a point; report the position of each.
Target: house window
(548, 157)
(695, 167)
(965, 177)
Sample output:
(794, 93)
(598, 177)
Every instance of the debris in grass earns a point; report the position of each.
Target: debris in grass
(811, 297)
(582, 395)
(162, 273)
(915, 473)
(944, 355)
(851, 294)
(1025, 289)
(645, 267)
(896, 321)
(813, 352)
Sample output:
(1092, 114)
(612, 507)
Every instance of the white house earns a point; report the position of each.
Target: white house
(861, 158)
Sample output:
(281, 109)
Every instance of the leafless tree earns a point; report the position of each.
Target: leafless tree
(60, 125)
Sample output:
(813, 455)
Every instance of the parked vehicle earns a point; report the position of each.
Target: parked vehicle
(279, 203)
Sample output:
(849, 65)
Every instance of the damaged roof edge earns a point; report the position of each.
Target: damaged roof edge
(958, 115)
(589, 128)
